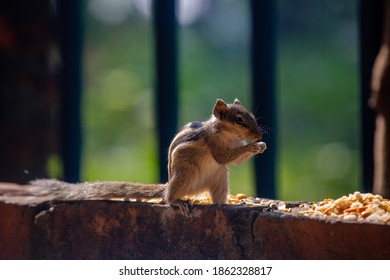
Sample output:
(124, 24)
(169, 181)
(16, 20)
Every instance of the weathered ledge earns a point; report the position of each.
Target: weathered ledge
(45, 228)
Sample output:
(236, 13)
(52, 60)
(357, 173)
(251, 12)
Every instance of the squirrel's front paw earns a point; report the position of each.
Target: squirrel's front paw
(259, 147)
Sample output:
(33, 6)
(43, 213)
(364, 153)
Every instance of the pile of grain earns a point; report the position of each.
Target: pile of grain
(354, 207)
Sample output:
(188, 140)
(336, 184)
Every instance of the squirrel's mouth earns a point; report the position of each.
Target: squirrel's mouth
(254, 138)
(247, 142)
(257, 139)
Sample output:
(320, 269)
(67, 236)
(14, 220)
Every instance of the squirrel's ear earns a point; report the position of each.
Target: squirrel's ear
(237, 102)
(219, 109)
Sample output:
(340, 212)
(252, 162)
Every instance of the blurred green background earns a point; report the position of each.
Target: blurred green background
(317, 89)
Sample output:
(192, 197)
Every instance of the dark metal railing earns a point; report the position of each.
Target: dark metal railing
(263, 57)
(370, 31)
(166, 78)
(71, 29)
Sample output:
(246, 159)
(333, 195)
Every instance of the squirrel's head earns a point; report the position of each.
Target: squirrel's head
(237, 120)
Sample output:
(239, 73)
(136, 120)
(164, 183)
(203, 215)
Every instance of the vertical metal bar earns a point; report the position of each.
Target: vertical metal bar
(70, 23)
(370, 31)
(165, 34)
(263, 57)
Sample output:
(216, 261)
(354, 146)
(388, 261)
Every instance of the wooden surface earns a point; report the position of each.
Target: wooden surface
(45, 228)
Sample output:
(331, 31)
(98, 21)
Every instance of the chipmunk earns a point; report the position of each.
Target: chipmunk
(197, 159)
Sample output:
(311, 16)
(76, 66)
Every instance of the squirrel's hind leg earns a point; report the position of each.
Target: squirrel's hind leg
(179, 186)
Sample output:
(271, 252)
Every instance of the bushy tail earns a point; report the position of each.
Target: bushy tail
(97, 190)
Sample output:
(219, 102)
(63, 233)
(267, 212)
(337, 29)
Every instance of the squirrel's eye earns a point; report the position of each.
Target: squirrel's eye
(239, 121)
